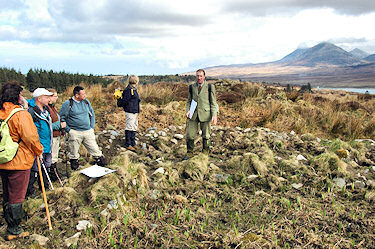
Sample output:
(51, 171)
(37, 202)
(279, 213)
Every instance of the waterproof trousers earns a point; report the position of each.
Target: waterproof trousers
(14, 189)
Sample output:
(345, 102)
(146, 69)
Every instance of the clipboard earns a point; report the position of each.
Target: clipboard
(193, 106)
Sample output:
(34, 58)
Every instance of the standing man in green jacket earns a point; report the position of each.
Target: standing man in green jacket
(205, 112)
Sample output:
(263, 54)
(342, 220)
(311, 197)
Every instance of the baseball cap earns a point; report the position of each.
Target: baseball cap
(41, 91)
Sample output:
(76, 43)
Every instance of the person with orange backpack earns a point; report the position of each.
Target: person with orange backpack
(15, 168)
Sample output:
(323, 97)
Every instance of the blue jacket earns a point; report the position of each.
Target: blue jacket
(43, 122)
(78, 116)
(130, 100)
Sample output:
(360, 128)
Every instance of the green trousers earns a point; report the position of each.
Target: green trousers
(192, 129)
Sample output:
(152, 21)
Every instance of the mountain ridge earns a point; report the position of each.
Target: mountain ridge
(324, 64)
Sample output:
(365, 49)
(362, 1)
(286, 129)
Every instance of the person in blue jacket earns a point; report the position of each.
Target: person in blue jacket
(42, 120)
(130, 102)
(79, 116)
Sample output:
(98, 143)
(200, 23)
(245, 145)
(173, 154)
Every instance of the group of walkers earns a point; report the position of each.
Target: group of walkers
(36, 127)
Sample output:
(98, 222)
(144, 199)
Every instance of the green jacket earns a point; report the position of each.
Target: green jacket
(205, 110)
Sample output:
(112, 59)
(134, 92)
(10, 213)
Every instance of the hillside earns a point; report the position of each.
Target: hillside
(370, 58)
(324, 53)
(359, 53)
(286, 170)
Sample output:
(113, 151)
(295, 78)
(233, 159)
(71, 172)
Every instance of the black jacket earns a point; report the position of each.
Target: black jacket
(129, 100)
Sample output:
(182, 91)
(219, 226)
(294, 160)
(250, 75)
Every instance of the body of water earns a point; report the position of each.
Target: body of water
(355, 90)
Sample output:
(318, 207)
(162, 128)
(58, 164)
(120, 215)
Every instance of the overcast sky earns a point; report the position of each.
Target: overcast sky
(173, 36)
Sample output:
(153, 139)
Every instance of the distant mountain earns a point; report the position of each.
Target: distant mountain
(292, 56)
(370, 58)
(359, 53)
(322, 65)
(325, 53)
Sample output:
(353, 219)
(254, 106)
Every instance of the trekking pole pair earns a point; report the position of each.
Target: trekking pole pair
(40, 160)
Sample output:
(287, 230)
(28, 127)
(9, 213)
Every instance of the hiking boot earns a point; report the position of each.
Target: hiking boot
(101, 161)
(13, 214)
(206, 146)
(22, 235)
(131, 148)
(190, 145)
(74, 165)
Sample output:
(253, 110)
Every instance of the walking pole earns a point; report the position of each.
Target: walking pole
(44, 194)
(58, 177)
(45, 171)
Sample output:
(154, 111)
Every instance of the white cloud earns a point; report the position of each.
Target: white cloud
(176, 36)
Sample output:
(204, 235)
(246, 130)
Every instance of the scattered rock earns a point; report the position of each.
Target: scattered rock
(213, 167)
(339, 182)
(114, 133)
(72, 240)
(301, 158)
(261, 192)
(83, 225)
(162, 133)
(160, 170)
(42, 241)
(247, 130)
(154, 194)
(359, 184)
(151, 130)
(173, 140)
(178, 136)
(222, 178)
(297, 185)
(104, 213)
(252, 177)
(112, 204)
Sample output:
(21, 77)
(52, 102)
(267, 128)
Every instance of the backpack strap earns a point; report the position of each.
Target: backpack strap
(209, 92)
(13, 112)
(71, 101)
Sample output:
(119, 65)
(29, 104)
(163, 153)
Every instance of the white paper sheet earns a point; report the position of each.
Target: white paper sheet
(96, 171)
(193, 105)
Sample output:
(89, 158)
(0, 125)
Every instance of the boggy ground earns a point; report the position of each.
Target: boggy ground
(259, 188)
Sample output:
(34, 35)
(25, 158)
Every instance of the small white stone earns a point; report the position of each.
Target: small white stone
(42, 241)
(297, 185)
(301, 157)
(83, 224)
(160, 170)
(178, 136)
(72, 240)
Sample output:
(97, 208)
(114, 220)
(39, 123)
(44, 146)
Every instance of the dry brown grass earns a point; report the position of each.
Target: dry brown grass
(326, 113)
